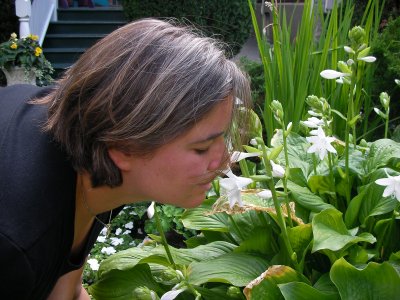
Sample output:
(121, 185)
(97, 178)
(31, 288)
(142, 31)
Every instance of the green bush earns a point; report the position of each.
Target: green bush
(226, 20)
(8, 25)
(386, 48)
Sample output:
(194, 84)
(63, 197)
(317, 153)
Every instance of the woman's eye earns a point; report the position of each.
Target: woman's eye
(201, 151)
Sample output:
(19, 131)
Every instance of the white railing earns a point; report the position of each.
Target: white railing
(35, 18)
(43, 11)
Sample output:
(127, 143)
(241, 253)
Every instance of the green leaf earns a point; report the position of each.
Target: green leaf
(259, 241)
(200, 219)
(119, 285)
(373, 203)
(306, 198)
(375, 281)
(127, 259)
(234, 268)
(266, 285)
(381, 152)
(303, 291)
(331, 233)
(300, 238)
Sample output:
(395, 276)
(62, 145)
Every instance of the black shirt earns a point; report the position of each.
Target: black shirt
(37, 200)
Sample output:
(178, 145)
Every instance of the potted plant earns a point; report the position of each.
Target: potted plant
(22, 61)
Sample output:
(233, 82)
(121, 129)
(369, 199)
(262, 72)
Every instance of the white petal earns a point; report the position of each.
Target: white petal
(265, 194)
(228, 184)
(397, 81)
(368, 59)
(234, 196)
(383, 181)
(314, 114)
(332, 74)
(243, 181)
(277, 170)
(389, 190)
(289, 126)
(330, 148)
(322, 153)
(310, 124)
(171, 294)
(253, 142)
(150, 210)
(238, 156)
(348, 49)
(340, 80)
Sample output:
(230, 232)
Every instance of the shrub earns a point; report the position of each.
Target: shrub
(226, 20)
(386, 48)
(8, 24)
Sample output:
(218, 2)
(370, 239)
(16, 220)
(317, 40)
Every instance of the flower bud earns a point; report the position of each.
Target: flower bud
(357, 36)
(344, 67)
(277, 109)
(234, 292)
(143, 293)
(385, 100)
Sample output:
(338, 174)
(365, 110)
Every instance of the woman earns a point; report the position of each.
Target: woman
(143, 115)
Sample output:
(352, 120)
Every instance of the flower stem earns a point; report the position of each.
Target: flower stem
(278, 209)
(285, 177)
(163, 239)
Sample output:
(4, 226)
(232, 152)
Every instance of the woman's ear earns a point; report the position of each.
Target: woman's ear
(122, 160)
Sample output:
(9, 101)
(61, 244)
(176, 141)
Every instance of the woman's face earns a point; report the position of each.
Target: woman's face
(180, 172)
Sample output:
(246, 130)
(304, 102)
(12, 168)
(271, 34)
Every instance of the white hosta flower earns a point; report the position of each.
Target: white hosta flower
(314, 114)
(126, 232)
(238, 156)
(253, 142)
(368, 59)
(108, 250)
(103, 231)
(265, 194)
(93, 264)
(129, 225)
(116, 241)
(277, 170)
(348, 49)
(150, 210)
(313, 122)
(118, 231)
(101, 239)
(321, 143)
(332, 74)
(172, 294)
(397, 81)
(392, 184)
(232, 186)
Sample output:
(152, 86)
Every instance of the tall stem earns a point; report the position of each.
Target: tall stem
(163, 239)
(285, 177)
(281, 219)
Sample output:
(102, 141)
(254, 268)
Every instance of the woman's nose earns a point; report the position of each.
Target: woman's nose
(219, 157)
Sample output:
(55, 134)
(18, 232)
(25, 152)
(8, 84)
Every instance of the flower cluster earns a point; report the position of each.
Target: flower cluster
(26, 53)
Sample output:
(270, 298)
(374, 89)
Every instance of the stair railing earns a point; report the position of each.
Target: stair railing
(35, 17)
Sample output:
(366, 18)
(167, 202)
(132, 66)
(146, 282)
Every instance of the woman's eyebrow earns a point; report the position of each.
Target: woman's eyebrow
(209, 138)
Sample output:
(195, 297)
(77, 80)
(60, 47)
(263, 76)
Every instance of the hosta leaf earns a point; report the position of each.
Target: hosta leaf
(234, 268)
(200, 219)
(303, 291)
(119, 285)
(331, 233)
(259, 241)
(129, 258)
(374, 281)
(306, 198)
(300, 238)
(370, 202)
(266, 287)
(381, 151)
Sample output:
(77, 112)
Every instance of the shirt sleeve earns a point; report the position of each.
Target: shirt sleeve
(16, 276)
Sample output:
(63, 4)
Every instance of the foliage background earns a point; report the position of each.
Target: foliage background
(226, 20)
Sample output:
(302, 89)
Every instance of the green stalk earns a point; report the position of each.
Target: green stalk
(285, 177)
(281, 219)
(332, 178)
(163, 239)
(387, 123)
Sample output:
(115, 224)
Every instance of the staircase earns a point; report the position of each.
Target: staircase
(77, 29)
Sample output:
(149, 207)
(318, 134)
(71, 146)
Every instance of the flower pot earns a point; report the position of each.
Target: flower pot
(17, 75)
